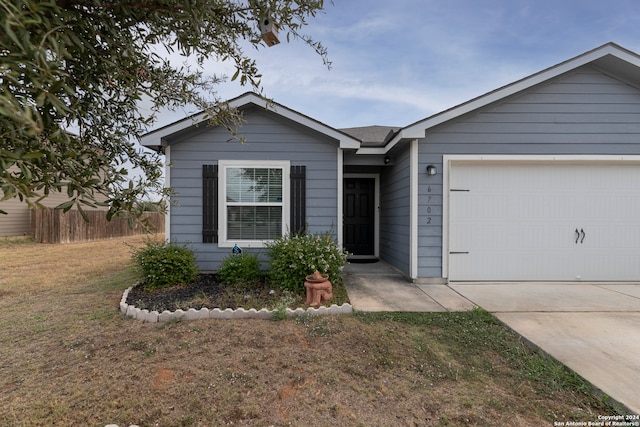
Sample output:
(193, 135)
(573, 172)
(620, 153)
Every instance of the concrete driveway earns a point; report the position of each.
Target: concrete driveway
(593, 328)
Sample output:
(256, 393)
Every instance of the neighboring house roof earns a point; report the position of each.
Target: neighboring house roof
(609, 58)
(156, 139)
(373, 136)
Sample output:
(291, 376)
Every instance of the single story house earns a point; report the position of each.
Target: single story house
(537, 180)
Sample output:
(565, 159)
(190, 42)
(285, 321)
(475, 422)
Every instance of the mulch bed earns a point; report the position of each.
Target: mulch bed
(205, 292)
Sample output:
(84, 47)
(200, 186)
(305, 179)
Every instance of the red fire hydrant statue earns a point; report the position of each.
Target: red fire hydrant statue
(319, 289)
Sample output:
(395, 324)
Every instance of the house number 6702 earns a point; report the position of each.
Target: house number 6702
(428, 207)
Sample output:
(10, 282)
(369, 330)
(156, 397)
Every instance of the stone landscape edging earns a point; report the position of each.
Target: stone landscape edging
(215, 313)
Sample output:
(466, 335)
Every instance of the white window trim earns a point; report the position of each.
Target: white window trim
(223, 165)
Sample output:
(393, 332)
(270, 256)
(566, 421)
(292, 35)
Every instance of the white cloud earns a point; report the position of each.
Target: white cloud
(397, 62)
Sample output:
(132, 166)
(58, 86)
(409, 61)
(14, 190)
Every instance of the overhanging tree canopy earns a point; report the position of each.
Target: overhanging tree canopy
(73, 72)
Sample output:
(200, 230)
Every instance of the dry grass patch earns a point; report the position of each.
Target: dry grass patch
(68, 357)
(31, 267)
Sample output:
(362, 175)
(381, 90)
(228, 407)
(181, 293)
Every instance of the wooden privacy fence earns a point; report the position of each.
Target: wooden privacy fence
(56, 226)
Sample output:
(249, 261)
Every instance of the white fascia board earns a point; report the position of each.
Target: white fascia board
(412, 132)
(345, 140)
(618, 52)
(418, 129)
(372, 150)
(155, 138)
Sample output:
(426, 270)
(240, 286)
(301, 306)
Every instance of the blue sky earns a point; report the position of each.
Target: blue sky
(396, 62)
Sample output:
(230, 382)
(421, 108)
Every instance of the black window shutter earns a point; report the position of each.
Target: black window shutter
(209, 203)
(298, 198)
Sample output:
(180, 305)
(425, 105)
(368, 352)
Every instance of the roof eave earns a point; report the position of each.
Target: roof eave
(159, 137)
(418, 129)
(371, 150)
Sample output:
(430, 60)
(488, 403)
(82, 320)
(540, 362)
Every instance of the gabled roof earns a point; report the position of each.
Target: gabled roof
(157, 138)
(610, 58)
(372, 136)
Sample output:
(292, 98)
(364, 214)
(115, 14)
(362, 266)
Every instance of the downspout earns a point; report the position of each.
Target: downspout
(340, 183)
(167, 184)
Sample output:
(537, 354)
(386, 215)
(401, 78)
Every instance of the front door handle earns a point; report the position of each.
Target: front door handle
(577, 236)
(583, 235)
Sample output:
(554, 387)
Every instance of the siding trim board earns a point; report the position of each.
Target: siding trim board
(167, 184)
(415, 202)
(340, 195)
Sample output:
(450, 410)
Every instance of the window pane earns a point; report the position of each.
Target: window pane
(254, 185)
(272, 182)
(254, 222)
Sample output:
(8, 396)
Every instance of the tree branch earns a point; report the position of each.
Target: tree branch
(69, 4)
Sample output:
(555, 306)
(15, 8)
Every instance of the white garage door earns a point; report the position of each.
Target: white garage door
(544, 221)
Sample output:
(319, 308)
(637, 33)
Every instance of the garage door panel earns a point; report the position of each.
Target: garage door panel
(512, 266)
(539, 221)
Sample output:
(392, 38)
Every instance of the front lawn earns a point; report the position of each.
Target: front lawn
(69, 357)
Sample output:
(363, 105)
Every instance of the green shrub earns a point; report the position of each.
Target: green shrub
(239, 269)
(165, 264)
(295, 256)
(280, 312)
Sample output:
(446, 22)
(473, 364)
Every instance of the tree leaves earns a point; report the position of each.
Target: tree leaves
(72, 73)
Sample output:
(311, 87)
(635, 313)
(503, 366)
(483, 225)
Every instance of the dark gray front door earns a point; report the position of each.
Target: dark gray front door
(359, 215)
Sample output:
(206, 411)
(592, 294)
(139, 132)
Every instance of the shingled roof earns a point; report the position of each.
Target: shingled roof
(372, 136)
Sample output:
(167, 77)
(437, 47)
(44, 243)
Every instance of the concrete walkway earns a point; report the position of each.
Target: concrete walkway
(378, 287)
(593, 328)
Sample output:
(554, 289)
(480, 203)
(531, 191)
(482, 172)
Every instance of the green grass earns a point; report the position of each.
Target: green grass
(69, 357)
(474, 336)
(10, 241)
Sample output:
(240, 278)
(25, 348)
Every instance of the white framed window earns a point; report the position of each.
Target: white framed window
(253, 202)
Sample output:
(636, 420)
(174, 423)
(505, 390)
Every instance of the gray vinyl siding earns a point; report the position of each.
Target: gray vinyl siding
(268, 138)
(581, 113)
(395, 209)
(429, 216)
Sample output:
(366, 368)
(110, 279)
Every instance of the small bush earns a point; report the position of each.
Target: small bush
(242, 269)
(295, 256)
(280, 312)
(165, 264)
